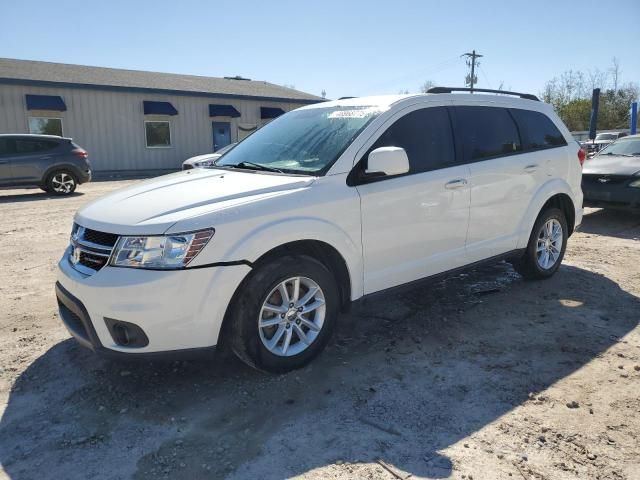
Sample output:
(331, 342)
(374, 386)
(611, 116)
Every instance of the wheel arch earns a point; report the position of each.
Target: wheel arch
(61, 166)
(321, 251)
(555, 193)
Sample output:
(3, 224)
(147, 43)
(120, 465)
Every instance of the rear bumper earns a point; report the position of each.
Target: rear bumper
(85, 176)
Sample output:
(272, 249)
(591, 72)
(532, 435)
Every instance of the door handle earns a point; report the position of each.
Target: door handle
(531, 168)
(454, 184)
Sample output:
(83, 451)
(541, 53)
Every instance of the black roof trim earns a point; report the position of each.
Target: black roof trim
(527, 96)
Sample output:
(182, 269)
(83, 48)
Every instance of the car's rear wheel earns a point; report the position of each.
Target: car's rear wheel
(61, 182)
(284, 314)
(546, 247)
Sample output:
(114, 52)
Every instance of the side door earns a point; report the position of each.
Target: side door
(32, 158)
(221, 135)
(502, 180)
(6, 152)
(413, 225)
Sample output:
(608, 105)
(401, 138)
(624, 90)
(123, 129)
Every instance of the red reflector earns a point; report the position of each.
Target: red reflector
(582, 155)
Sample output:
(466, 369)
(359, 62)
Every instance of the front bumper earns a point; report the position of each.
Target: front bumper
(177, 310)
(610, 192)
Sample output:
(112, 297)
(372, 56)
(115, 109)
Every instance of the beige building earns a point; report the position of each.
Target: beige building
(134, 121)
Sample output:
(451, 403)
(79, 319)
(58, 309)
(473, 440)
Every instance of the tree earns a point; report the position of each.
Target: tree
(615, 73)
(323, 93)
(426, 86)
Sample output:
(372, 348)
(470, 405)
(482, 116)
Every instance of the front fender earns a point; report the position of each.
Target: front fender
(264, 238)
(545, 192)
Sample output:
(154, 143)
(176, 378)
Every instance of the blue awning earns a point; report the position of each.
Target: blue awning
(159, 108)
(270, 112)
(223, 111)
(45, 102)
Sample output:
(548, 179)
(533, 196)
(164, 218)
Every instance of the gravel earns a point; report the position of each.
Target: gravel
(466, 378)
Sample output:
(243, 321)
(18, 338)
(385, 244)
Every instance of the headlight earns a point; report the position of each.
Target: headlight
(162, 252)
(635, 183)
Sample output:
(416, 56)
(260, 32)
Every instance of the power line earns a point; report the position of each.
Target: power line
(485, 76)
(471, 61)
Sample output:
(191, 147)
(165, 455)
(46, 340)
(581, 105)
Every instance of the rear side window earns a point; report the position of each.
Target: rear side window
(486, 132)
(537, 130)
(33, 146)
(425, 135)
(6, 146)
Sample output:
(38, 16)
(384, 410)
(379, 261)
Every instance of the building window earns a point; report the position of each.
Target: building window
(158, 134)
(45, 126)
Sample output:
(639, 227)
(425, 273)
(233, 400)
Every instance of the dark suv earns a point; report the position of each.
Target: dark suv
(55, 164)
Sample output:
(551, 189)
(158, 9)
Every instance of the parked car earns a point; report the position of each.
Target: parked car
(206, 160)
(611, 179)
(323, 206)
(55, 164)
(602, 140)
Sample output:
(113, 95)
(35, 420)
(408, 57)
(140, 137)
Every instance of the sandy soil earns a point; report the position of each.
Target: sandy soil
(481, 376)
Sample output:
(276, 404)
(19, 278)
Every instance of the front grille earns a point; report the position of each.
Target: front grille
(101, 238)
(90, 249)
(91, 260)
(595, 179)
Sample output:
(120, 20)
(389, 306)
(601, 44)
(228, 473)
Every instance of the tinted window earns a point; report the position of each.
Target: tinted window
(158, 134)
(426, 137)
(33, 146)
(486, 132)
(6, 146)
(45, 126)
(537, 130)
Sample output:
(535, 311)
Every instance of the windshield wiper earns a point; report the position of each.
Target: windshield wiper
(255, 166)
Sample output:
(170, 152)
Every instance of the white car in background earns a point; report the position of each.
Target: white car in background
(323, 206)
(206, 160)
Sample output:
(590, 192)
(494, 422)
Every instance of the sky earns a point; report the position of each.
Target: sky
(347, 48)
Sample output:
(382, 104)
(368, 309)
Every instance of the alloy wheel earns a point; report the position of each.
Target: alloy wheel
(549, 244)
(291, 317)
(62, 183)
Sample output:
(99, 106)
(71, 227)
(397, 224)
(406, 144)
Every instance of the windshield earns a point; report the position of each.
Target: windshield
(606, 136)
(626, 146)
(306, 141)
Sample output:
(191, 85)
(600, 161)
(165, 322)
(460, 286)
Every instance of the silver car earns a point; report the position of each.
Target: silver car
(55, 164)
(611, 179)
(206, 160)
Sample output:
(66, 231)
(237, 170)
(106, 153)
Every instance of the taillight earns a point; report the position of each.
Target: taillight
(81, 154)
(582, 155)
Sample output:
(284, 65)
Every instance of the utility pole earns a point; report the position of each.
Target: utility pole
(471, 61)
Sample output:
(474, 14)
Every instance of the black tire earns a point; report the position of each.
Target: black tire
(245, 339)
(53, 182)
(528, 265)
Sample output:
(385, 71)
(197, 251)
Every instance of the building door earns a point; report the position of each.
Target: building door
(221, 135)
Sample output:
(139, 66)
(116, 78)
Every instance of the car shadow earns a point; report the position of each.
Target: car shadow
(34, 195)
(405, 377)
(612, 223)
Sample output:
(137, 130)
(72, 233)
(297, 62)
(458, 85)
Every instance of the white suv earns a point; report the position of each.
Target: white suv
(325, 205)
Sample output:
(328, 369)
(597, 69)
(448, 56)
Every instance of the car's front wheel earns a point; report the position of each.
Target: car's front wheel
(284, 313)
(546, 248)
(61, 182)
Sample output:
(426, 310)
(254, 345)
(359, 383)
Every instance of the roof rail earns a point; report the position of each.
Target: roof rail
(346, 98)
(528, 96)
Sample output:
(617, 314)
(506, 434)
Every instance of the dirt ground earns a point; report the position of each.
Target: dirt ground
(480, 376)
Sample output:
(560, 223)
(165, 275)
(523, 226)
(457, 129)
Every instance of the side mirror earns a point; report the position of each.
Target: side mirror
(388, 161)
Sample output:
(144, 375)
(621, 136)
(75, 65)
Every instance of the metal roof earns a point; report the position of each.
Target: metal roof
(82, 76)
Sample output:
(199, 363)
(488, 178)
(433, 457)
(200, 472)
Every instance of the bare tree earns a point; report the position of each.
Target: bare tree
(426, 86)
(403, 91)
(597, 78)
(323, 93)
(615, 73)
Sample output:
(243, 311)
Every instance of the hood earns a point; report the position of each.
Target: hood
(153, 206)
(611, 165)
